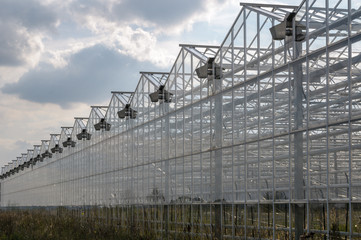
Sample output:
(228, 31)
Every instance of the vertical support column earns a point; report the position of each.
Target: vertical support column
(298, 142)
(167, 178)
(131, 164)
(218, 136)
(350, 136)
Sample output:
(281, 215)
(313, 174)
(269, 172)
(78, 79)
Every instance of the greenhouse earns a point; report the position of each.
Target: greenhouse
(257, 138)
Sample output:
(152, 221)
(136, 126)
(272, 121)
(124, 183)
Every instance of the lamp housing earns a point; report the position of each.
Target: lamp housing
(83, 135)
(47, 154)
(69, 143)
(285, 29)
(27, 164)
(161, 94)
(127, 112)
(102, 125)
(39, 158)
(56, 149)
(206, 71)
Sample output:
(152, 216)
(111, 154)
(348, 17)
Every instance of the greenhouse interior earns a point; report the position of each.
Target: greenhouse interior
(257, 138)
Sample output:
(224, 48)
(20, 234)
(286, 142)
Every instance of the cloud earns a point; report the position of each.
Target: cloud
(159, 12)
(26, 123)
(22, 25)
(18, 47)
(161, 16)
(30, 14)
(20, 144)
(88, 77)
(143, 29)
(9, 147)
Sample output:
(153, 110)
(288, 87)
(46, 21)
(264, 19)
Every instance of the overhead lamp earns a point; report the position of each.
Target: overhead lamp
(69, 143)
(47, 154)
(27, 164)
(102, 125)
(161, 94)
(83, 135)
(127, 112)
(206, 71)
(56, 149)
(285, 28)
(38, 158)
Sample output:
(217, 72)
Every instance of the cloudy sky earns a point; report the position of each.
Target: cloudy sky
(58, 57)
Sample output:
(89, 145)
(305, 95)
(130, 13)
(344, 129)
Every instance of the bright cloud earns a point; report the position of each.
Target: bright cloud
(22, 26)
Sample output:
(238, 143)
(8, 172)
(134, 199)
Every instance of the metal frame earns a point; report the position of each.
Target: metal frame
(270, 150)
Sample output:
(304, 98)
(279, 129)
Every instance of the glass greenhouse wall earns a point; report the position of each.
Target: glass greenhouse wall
(264, 143)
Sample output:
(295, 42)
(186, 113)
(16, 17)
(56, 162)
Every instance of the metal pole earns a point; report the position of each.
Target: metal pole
(218, 158)
(298, 143)
(167, 172)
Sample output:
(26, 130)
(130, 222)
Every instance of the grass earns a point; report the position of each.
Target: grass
(177, 221)
(40, 224)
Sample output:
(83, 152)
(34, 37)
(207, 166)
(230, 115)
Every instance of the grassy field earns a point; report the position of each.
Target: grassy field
(42, 224)
(176, 221)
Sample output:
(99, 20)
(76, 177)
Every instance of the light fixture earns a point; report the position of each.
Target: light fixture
(27, 164)
(206, 71)
(47, 154)
(69, 143)
(56, 149)
(127, 112)
(161, 94)
(102, 125)
(38, 158)
(283, 29)
(83, 135)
